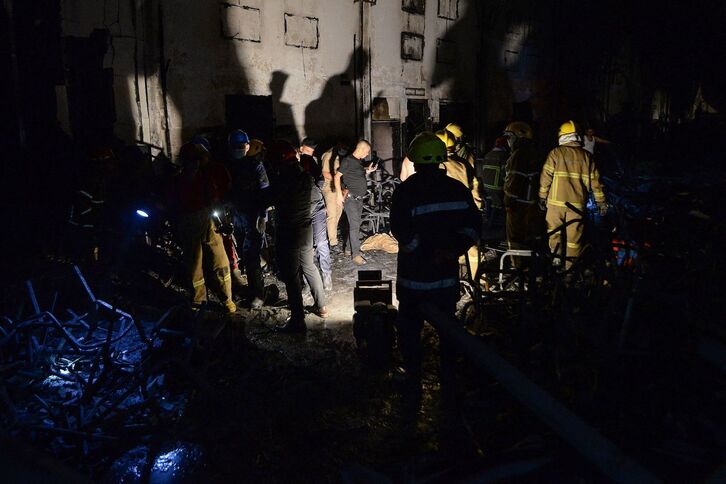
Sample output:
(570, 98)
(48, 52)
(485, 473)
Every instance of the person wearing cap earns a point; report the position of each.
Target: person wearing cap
(193, 194)
(435, 220)
(290, 192)
(311, 166)
(249, 178)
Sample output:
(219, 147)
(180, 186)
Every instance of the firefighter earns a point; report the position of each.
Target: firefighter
(463, 170)
(195, 191)
(462, 149)
(490, 172)
(520, 187)
(435, 220)
(568, 176)
(249, 178)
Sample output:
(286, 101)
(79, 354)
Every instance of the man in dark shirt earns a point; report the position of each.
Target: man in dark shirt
(352, 174)
(311, 166)
(290, 192)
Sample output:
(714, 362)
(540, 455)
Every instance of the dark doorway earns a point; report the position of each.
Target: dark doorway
(386, 139)
(417, 120)
(252, 114)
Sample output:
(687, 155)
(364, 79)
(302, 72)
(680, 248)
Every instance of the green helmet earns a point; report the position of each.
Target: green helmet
(427, 148)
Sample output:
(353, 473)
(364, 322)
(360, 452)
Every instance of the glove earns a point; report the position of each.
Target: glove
(603, 208)
(260, 225)
(542, 204)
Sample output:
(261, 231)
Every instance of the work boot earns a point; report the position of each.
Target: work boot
(321, 312)
(257, 303)
(294, 324)
(359, 260)
(230, 307)
(327, 281)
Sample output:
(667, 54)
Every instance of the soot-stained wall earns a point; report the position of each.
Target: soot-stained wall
(174, 62)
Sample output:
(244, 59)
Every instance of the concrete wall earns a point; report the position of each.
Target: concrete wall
(174, 61)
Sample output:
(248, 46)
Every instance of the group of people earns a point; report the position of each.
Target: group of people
(434, 211)
(436, 217)
(308, 196)
(515, 179)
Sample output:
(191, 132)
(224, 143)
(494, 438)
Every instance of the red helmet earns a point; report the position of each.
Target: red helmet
(281, 153)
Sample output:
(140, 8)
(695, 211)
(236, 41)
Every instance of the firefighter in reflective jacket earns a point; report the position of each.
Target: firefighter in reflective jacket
(490, 172)
(568, 176)
(463, 170)
(520, 187)
(435, 220)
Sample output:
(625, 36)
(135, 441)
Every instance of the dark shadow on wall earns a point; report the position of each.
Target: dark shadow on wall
(334, 113)
(284, 118)
(189, 66)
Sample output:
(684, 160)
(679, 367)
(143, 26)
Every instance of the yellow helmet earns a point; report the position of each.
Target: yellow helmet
(520, 129)
(455, 129)
(426, 148)
(256, 147)
(567, 128)
(448, 138)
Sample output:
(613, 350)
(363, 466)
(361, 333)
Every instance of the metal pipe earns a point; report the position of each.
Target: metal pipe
(585, 439)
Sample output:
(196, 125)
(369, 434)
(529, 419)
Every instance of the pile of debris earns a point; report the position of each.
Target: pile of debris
(91, 382)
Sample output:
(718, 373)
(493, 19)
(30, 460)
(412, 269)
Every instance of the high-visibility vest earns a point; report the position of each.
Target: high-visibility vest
(491, 170)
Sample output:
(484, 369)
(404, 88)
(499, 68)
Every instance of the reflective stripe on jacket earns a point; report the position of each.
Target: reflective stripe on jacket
(569, 175)
(435, 220)
(491, 170)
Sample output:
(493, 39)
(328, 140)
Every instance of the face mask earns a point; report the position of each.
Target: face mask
(510, 141)
(238, 154)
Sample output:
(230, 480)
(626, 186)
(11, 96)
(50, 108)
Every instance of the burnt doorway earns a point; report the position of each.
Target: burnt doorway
(417, 120)
(253, 114)
(386, 140)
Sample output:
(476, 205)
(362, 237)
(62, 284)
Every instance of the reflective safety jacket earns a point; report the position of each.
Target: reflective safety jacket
(569, 175)
(491, 171)
(462, 169)
(435, 220)
(522, 174)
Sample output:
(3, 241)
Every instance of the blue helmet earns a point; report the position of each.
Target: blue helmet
(237, 138)
(200, 140)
